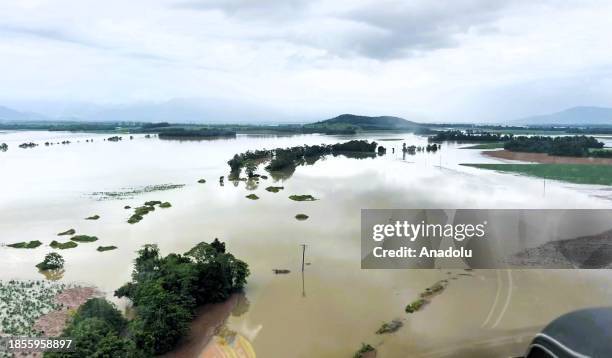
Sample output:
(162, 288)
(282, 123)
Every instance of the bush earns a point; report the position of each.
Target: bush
(52, 261)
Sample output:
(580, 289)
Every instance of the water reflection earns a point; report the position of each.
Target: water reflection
(53, 275)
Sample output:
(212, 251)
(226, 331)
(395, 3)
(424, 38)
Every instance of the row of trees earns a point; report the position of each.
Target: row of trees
(165, 292)
(287, 158)
(469, 136)
(574, 146)
(182, 133)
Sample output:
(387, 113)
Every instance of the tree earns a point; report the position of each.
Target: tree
(52, 261)
(102, 309)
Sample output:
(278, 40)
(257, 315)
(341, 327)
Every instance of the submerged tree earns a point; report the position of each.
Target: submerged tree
(52, 261)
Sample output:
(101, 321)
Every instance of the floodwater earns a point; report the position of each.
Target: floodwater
(335, 305)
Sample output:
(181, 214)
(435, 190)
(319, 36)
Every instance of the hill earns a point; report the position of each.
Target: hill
(571, 116)
(11, 115)
(365, 123)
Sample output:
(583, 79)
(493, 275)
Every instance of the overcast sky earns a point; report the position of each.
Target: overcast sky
(443, 60)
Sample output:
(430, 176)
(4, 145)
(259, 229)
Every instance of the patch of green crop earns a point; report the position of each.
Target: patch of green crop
(573, 173)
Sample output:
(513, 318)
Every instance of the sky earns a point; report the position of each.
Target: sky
(460, 60)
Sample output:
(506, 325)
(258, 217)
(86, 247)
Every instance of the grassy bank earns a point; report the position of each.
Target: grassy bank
(494, 145)
(573, 173)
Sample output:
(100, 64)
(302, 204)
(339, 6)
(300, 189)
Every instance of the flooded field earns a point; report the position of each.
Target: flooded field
(335, 305)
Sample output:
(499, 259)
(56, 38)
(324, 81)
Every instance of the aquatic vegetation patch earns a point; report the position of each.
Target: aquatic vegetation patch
(281, 271)
(415, 305)
(252, 197)
(148, 206)
(306, 197)
(202, 181)
(390, 327)
(275, 189)
(106, 248)
(22, 302)
(93, 217)
(52, 261)
(365, 348)
(63, 245)
(26, 245)
(435, 289)
(67, 232)
(301, 217)
(84, 238)
(28, 145)
(130, 193)
(134, 219)
(3, 147)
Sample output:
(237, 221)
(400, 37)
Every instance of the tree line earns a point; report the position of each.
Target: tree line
(285, 158)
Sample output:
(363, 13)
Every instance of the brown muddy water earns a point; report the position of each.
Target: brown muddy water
(335, 305)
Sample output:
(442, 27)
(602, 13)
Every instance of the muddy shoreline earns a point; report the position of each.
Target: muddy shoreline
(53, 323)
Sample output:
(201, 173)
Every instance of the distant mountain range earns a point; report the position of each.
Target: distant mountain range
(571, 116)
(180, 110)
(366, 122)
(11, 115)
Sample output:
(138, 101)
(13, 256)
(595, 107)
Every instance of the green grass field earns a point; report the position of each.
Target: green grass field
(573, 173)
(493, 145)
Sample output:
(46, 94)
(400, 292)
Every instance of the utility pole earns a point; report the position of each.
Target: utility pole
(303, 255)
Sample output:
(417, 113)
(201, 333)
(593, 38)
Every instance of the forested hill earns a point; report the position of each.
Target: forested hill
(366, 122)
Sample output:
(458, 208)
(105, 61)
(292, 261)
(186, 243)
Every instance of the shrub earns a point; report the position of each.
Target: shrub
(52, 261)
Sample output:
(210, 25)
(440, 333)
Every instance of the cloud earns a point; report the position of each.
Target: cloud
(468, 59)
(274, 9)
(52, 34)
(406, 28)
(382, 30)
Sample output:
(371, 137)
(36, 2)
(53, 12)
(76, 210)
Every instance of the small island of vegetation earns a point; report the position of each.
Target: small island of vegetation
(26, 245)
(305, 197)
(283, 159)
(84, 238)
(93, 217)
(106, 248)
(67, 232)
(63, 245)
(52, 261)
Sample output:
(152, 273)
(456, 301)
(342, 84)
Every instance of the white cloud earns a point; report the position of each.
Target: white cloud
(469, 59)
